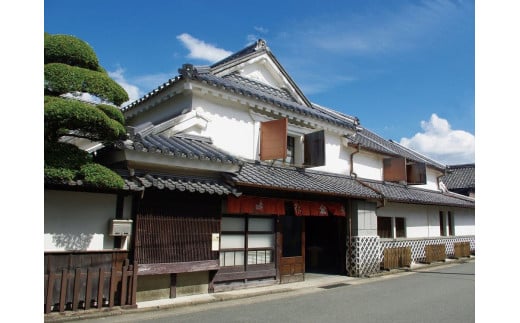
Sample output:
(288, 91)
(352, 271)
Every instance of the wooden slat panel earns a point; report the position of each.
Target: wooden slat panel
(101, 285)
(124, 284)
(50, 289)
(113, 286)
(174, 239)
(88, 293)
(273, 139)
(75, 297)
(63, 289)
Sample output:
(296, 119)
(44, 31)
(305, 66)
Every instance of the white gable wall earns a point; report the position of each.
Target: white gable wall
(231, 128)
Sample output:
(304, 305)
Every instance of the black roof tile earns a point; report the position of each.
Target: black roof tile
(373, 142)
(296, 179)
(409, 194)
(198, 184)
(460, 177)
(180, 146)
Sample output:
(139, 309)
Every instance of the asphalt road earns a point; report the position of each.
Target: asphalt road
(442, 294)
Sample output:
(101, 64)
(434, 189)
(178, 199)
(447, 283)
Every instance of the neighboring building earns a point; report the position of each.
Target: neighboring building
(460, 179)
(239, 180)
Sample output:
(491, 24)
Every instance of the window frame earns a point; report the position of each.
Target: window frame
(382, 220)
(442, 224)
(400, 232)
(451, 223)
(246, 250)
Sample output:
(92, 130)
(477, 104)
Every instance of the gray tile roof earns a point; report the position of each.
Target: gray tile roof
(179, 146)
(373, 142)
(299, 180)
(243, 52)
(460, 177)
(282, 94)
(193, 184)
(257, 93)
(407, 194)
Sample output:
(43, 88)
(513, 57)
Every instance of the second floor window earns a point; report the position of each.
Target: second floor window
(290, 150)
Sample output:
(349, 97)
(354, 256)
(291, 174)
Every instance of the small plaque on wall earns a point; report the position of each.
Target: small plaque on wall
(215, 241)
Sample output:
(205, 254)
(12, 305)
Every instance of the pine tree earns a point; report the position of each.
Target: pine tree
(72, 71)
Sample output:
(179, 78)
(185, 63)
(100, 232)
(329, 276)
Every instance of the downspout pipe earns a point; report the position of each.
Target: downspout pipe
(358, 149)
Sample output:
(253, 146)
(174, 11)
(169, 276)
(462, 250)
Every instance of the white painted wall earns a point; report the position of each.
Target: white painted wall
(367, 165)
(431, 179)
(79, 221)
(422, 221)
(336, 155)
(230, 127)
(464, 221)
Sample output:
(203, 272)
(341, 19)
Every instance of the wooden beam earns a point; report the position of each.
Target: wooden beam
(179, 267)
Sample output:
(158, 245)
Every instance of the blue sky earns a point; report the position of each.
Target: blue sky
(406, 69)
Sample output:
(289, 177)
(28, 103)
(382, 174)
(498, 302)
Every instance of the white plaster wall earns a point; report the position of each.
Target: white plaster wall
(336, 155)
(367, 165)
(431, 179)
(231, 128)
(163, 111)
(423, 220)
(78, 221)
(416, 218)
(464, 221)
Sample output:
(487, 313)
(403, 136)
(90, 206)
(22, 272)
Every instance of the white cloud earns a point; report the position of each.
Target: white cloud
(439, 142)
(132, 90)
(261, 30)
(201, 50)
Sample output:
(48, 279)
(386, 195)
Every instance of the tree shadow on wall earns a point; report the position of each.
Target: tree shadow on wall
(71, 241)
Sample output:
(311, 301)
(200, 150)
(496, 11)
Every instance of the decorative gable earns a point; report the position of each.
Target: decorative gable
(258, 64)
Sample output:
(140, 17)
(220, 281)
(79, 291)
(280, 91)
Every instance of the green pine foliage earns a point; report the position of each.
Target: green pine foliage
(71, 67)
(61, 116)
(100, 176)
(71, 51)
(61, 78)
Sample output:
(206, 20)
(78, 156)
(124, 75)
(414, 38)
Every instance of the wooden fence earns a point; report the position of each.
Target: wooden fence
(435, 252)
(461, 249)
(397, 257)
(83, 289)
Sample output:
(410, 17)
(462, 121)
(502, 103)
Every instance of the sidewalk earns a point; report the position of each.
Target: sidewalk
(313, 282)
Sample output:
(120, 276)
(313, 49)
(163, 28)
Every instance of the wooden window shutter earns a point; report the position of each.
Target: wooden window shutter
(394, 169)
(416, 174)
(314, 149)
(273, 139)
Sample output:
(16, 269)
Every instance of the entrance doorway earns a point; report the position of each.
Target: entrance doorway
(325, 239)
(292, 246)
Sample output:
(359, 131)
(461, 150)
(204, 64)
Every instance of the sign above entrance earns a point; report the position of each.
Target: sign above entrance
(311, 208)
(273, 206)
(255, 205)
